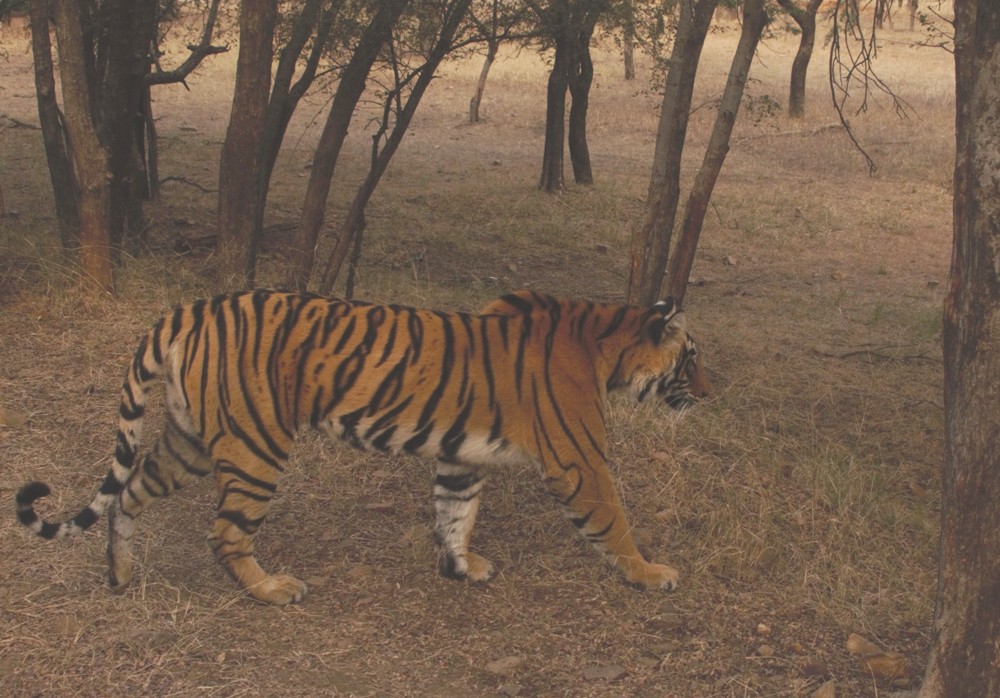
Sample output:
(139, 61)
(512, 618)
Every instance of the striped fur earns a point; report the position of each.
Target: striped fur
(525, 381)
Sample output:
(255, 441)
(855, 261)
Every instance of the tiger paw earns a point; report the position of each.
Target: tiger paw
(279, 590)
(120, 575)
(651, 577)
(480, 569)
(470, 567)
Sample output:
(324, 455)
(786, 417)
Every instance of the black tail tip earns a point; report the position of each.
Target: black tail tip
(30, 492)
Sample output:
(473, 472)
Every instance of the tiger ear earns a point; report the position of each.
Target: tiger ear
(665, 318)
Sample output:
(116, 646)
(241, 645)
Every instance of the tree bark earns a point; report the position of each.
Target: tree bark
(552, 179)
(89, 157)
(965, 659)
(240, 163)
(60, 167)
(352, 85)
(650, 242)
(805, 17)
(754, 20)
(581, 77)
(492, 46)
(127, 37)
(628, 41)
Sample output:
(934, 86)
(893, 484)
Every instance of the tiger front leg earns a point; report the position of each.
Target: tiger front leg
(456, 503)
(590, 500)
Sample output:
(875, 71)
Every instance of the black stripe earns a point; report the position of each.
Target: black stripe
(381, 442)
(453, 439)
(487, 363)
(458, 483)
(581, 521)
(111, 484)
(239, 519)
(614, 323)
(233, 469)
(415, 327)
(345, 336)
(447, 363)
(522, 305)
(419, 438)
(387, 417)
(389, 389)
(390, 343)
(602, 534)
(270, 459)
(124, 452)
(85, 519)
(526, 328)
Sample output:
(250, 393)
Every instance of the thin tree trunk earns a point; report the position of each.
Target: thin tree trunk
(285, 96)
(240, 163)
(552, 178)
(581, 76)
(754, 20)
(805, 17)
(963, 660)
(60, 168)
(352, 85)
(90, 158)
(492, 46)
(354, 222)
(650, 242)
(151, 149)
(628, 44)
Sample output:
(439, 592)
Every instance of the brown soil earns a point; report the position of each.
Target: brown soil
(802, 496)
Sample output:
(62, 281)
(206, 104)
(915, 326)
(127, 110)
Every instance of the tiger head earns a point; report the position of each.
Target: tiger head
(662, 360)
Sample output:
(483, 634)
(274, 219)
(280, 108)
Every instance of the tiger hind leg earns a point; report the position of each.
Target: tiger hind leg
(595, 509)
(456, 504)
(244, 497)
(178, 458)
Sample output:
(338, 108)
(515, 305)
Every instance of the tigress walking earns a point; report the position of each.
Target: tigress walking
(526, 380)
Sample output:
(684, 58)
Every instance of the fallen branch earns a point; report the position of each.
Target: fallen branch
(185, 180)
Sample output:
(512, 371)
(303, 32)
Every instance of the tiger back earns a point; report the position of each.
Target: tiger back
(524, 381)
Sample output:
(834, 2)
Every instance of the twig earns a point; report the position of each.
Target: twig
(185, 180)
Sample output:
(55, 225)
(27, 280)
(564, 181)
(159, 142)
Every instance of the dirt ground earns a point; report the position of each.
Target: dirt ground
(800, 502)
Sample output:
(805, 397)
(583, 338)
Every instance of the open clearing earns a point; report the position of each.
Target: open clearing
(804, 495)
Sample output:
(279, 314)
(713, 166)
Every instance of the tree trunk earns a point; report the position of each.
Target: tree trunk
(355, 220)
(492, 46)
(126, 39)
(754, 20)
(552, 179)
(285, 95)
(805, 17)
(650, 242)
(581, 76)
(628, 43)
(60, 169)
(239, 165)
(964, 655)
(352, 85)
(89, 156)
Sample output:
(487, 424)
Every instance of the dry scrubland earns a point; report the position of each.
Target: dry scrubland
(803, 496)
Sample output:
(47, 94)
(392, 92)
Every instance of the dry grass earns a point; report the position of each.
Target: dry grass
(803, 495)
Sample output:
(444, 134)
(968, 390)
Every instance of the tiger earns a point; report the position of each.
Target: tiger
(525, 381)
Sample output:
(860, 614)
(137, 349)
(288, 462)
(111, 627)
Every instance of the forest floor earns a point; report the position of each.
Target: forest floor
(800, 502)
